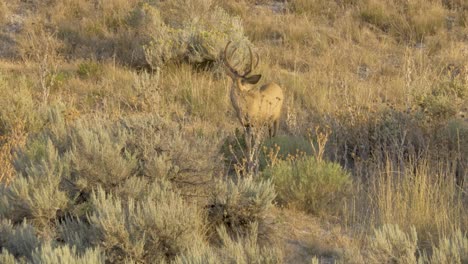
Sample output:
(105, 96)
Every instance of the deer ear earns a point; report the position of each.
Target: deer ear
(252, 79)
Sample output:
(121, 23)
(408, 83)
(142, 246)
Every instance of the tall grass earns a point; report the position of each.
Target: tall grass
(422, 196)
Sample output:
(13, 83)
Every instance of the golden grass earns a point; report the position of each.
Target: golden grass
(340, 63)
(422, 196)
(4, 11)
(8, 143)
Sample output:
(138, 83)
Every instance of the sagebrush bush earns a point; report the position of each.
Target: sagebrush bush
(36, 194)
(238, 204)
(247, 249)
(56, 129)
(121, 157)
(451, 249)
(157, 228)
(17, 105)
(19, 241)
(310, 185)
(143, 100)
(392, 245)
(78, 233)
(165, 44)
(240, 249)
(64, 254)
(7, 258)
(200, 39)
(20, 244)
(98, 157)
(199, 255)
(164, 150)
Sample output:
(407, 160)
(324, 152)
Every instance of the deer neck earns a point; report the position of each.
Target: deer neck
(239, 102)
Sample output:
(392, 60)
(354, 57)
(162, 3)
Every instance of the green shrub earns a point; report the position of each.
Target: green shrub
(312, 186)
(392, 245)
(282, 148)
(89, 69)
(208, 37)
(443, 100)
(237, 205)
(438, 107)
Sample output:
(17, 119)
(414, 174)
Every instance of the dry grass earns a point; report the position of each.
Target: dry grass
(424, 198)
(389, 79)
(9, 142)
(4, 11)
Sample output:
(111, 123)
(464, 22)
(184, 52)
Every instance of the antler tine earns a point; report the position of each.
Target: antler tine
(249, 67)
(258, 60)
(226, 62)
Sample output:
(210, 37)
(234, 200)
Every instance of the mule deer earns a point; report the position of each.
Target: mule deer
(254, 107)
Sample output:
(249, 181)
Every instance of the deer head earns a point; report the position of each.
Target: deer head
(242, 80)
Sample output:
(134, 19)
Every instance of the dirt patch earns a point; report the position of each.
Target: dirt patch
(304, 237)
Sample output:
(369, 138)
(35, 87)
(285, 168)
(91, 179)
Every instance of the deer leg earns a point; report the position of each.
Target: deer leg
(248, 129)
(248, 137)
(275, 127)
